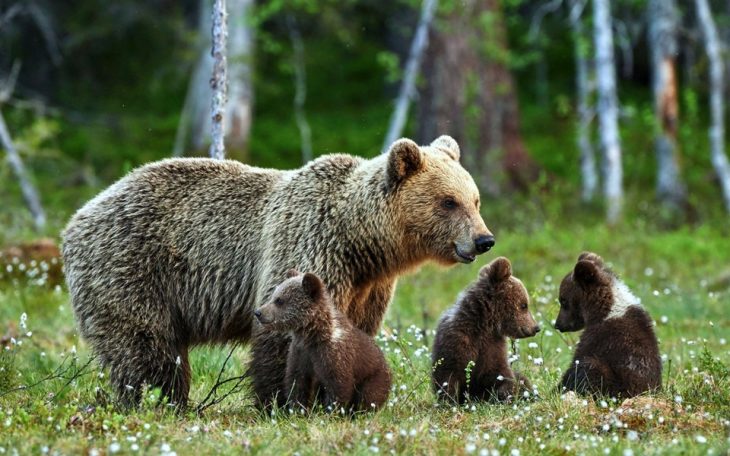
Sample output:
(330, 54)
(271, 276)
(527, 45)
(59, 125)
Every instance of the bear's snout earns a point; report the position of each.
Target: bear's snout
(484, 243)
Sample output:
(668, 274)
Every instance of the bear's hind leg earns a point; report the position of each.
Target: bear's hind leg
(373, 392)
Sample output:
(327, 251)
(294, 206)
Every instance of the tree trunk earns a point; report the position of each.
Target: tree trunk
(219, 79)
(195, 120)
(582, 86)
(663, 43)
(407, 88)
(469, 94)
(239, 113)
(608, 109)
(29, 192)
(717, 104)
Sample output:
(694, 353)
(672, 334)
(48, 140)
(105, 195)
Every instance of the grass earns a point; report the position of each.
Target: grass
(670, 270)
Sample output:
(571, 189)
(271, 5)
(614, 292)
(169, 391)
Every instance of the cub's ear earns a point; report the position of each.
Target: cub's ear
(404, 160)
(587, 272)
(313, 286)
(498, 270)
(448, 145)
(291, 273)
(592, 257)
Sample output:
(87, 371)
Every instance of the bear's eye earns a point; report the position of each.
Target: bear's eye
(524, 306)
(449, 203)
(278, 301)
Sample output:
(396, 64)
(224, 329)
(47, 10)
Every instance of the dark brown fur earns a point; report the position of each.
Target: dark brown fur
(475, 330)
(618, 353)
(328, 357)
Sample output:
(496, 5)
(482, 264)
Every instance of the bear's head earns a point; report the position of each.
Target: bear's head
(294, 302)
(507, 300)
(436, 201)
(591, 293)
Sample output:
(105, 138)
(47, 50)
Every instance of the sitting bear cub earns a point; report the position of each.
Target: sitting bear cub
(329, 358)
(617, 354)
(471, 336)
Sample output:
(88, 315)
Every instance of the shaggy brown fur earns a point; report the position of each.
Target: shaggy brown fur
(474, 331)
(618, 353)
(328, 357)
(180, 252)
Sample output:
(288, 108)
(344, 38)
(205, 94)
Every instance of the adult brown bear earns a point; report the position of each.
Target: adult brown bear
(181, 252)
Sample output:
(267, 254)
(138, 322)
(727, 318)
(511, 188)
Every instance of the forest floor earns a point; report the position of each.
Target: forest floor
(676, 273)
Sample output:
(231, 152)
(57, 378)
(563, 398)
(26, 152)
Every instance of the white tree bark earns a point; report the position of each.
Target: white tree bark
(717, 104)
(238, 114)
(663, 26)
(29, 192)
(300, 85)
(218, 79)
(608, 109)
(407, 88)
(585, 113)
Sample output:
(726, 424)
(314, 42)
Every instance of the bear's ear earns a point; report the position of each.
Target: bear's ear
(404, 160)
(587, 272)
(592, 257)
(313, 286)
(448, 145)
(291, 273)
(498, 270)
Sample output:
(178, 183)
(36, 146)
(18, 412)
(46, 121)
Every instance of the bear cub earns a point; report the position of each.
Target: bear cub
(329, 358)
(472, 335)
(618, 353)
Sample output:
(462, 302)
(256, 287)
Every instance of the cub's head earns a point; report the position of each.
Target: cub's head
(293, 302)
(507, 299)
(590, 293)
(436, 201)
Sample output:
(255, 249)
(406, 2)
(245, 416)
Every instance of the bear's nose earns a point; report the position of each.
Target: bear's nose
(536, 329)
(484, 243)
(257, 313)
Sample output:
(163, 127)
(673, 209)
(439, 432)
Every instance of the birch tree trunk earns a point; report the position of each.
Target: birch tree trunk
(16, 163)
(300, 86)
(717, 104)
(582, 86)
(195, 121)
(407, 88)
(663, 25)
(218, 79)
(608, 109)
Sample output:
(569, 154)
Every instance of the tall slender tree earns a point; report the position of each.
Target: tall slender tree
(585, 113)
(608, 109)
(717, 102)
(663, 26)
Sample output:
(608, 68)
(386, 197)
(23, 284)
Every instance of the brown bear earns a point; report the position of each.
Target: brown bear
(328, 356)
(618, 353)
(182, 251)
(470, 349)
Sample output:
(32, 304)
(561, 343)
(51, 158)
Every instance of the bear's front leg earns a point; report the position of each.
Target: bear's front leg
(299, 378)
(269, 351)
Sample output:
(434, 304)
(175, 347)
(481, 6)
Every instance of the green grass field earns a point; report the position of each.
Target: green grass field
(676, 273)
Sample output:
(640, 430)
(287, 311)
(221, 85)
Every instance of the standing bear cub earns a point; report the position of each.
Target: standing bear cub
(328, 358)
(617, 354)
(471, 336)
